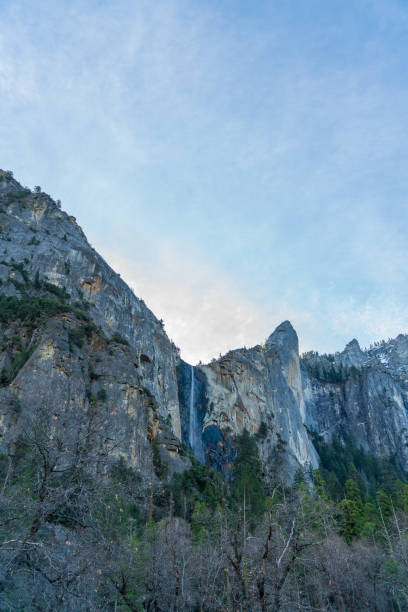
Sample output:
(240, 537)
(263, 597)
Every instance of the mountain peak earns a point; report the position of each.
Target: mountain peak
(352, 345)
(352, 355)
(284, 334)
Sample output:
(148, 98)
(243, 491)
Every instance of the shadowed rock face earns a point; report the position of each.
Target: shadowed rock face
(90, 361)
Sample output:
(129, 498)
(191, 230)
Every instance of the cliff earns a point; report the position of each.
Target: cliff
(81, 354)
(361, 395)
(259, 389)
(77, 346)
(285, 400)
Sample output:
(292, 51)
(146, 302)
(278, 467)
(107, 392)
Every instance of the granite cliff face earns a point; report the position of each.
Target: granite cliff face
(80, 353)
(84, 345)
(362, 395)
(259, 389)
(286, 400)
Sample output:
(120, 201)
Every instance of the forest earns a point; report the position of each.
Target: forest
(80, 530)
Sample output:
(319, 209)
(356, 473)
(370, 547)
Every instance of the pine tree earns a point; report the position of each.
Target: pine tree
(384, 503)
(350, 519)
(247, 476)
(201, 522)
(351, 509)
(319, 484)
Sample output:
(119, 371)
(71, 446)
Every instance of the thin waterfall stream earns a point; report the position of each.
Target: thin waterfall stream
(192, 420)
(194, 425)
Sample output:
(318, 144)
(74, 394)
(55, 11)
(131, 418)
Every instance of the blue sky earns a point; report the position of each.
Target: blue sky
(239, 163)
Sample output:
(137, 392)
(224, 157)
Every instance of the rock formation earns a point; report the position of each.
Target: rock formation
(79, 348)
(83, 341)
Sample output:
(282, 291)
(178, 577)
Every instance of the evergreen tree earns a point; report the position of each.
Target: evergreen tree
(319, 484)
(401, 496)
(247, 476)
(384, 503)
(353, 493)
(351, 509)
(201, 521)
(350, 519)
(370, 520)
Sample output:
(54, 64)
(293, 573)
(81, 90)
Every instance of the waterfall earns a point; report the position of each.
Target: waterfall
(192, 422)
(194, 425)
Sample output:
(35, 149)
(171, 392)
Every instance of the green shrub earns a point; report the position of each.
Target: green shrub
(160, 467)
(7, 376)
(119, 339)
(101, 395)
(262, 431)
(19, 286)
(82, 305)
(77, 336)
(20, 268)
(91, 397)
(29, 309)
(58, 291)
(16, 196)
(16, 343)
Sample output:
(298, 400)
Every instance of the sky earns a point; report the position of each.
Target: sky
(239, 163)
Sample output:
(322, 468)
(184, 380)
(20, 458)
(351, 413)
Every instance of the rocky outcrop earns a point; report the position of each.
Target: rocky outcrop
(258, 389)
(85, 344)
(285, 400)
(361, 395)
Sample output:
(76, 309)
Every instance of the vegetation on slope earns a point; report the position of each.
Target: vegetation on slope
(32, 310)
(210, 544)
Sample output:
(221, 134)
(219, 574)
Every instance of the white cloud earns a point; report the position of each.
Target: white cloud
(375, 319)
(204, 313)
